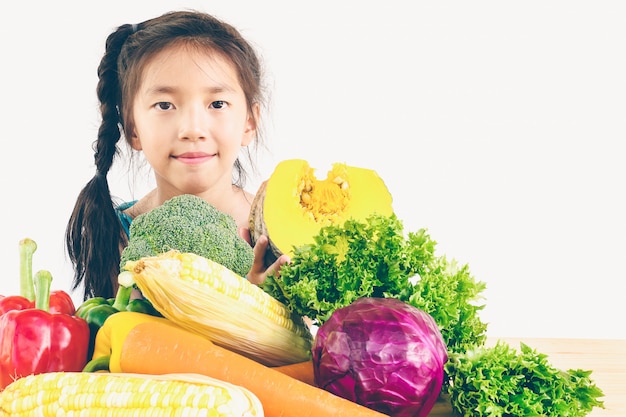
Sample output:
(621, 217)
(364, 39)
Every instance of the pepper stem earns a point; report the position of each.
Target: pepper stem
(98, 364)
(42, 281)
(124, 291)
(27, 249)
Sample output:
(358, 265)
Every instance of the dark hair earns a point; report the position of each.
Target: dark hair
(94, 235)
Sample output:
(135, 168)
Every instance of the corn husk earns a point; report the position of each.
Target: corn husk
(232, 313)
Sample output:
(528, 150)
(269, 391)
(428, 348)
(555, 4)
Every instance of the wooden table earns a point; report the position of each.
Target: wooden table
(605, 358)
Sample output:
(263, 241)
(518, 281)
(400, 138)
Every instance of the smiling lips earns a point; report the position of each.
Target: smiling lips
(193, 158)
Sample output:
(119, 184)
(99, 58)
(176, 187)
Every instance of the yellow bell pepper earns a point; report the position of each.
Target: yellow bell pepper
(111, 336)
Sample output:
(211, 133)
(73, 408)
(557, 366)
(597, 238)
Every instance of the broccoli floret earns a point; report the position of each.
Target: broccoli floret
(188, 223)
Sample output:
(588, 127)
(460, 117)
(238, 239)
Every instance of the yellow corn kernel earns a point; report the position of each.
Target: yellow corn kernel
(78, 394)
(205, 297)
(205, 272)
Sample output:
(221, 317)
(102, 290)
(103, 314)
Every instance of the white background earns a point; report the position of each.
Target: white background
(498, 126)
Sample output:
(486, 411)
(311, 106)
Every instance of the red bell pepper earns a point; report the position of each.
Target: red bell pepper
(34, 341)
(60, 301)
(38, 330)
(15, 302)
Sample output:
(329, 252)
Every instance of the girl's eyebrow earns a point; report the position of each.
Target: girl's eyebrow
(164, 89)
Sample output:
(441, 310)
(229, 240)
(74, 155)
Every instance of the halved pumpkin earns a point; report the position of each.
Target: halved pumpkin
(292, 205)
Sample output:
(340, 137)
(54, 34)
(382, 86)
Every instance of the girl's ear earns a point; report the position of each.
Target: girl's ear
(251, 124)
(135, 143)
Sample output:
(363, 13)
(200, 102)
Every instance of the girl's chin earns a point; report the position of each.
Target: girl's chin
(195, 186)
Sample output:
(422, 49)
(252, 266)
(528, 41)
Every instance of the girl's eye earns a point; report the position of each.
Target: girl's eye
(218, 104)
(163, 105)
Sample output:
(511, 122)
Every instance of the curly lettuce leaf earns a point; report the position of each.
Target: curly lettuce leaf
(500, 381)
(375, 258)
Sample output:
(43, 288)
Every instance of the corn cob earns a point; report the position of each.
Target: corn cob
(207, 298)
(78, 394)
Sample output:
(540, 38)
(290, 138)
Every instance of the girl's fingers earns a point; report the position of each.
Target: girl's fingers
(257, 272)
(274, 269)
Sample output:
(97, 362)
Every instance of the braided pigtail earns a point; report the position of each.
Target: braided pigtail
(94, 234)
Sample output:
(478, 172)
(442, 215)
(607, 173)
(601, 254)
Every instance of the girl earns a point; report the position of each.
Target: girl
(185, 89)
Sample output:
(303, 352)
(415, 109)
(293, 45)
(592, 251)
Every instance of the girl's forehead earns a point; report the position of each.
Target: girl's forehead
(178, 61)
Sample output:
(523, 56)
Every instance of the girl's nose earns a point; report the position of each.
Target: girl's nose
(194, 124)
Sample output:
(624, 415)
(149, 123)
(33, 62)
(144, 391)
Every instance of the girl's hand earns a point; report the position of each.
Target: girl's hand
(259, 272)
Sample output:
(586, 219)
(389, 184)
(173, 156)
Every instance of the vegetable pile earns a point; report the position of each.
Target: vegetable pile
(375, 258)
(398, 325)
(139, 343)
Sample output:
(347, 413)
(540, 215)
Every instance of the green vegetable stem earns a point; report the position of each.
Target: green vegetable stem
(41, 285)
(27, 248)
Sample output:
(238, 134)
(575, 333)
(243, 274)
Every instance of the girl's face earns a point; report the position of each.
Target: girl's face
(190, 120)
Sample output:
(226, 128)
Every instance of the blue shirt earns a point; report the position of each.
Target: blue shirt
(125, 219)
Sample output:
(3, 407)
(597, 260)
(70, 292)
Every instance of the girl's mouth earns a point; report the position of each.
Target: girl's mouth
(193, 158)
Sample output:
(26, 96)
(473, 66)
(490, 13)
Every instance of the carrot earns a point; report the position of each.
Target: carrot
(302, 371)
(160, 348)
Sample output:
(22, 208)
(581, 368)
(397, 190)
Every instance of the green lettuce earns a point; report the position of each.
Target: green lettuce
(376, 258)
(500, 381)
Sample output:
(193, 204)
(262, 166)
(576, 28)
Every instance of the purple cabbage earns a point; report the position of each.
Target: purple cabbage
(381, 353)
